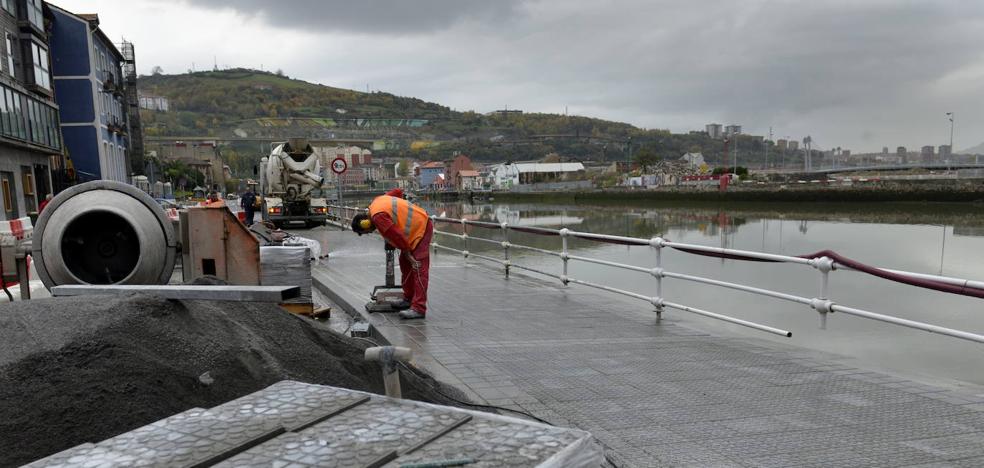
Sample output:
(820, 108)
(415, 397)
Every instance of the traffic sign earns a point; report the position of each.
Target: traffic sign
(338, 165)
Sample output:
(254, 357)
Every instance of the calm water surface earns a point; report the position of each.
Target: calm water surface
(918, 238)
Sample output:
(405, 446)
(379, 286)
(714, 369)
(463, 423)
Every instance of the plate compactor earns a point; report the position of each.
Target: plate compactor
(387, 297)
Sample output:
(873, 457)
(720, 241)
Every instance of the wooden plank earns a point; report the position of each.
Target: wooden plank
(201, 292)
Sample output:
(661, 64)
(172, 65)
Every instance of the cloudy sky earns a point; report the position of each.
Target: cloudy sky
(860, 74)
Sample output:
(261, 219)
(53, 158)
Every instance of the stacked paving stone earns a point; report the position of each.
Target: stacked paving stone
(297, 424)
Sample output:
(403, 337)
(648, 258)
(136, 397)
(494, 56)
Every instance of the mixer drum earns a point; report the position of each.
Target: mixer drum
(104, 232)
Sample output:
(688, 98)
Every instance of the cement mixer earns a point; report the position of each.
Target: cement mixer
(291, 183)
(104, 233)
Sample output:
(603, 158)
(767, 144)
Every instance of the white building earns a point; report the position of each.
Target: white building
(154, 103)
(509, 175)
(731, 130)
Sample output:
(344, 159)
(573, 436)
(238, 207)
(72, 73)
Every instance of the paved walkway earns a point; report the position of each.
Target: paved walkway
(659, 394)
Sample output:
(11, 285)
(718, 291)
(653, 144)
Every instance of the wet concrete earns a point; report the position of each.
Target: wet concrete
(658, 393)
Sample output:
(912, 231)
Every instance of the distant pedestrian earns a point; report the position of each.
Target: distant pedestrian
(248, 202)
(44, 203)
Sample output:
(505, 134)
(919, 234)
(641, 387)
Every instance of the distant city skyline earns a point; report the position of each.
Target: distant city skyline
(848, 73)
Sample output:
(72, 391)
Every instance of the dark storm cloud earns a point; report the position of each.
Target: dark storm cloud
(382, 17)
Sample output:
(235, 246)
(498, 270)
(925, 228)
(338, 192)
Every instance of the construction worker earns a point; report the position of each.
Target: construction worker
(407, 227)
(248, 202)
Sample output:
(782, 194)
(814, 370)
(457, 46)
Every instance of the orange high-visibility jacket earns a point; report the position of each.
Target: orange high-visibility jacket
(410, 219)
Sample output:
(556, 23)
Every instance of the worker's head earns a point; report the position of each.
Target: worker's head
(362, 224)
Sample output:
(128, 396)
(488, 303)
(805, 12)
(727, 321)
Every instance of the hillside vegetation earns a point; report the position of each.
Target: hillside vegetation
(262, 104)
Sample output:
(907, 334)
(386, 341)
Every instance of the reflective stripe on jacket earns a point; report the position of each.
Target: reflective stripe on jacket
(410, 219)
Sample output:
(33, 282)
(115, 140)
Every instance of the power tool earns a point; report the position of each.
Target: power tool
(387, 297)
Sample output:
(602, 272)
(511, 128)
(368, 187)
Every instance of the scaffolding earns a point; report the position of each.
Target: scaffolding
(136, 157)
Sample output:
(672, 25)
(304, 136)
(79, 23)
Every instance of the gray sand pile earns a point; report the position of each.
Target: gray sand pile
(75, 370)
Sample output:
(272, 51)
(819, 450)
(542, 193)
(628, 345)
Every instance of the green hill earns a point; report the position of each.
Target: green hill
(256, 104)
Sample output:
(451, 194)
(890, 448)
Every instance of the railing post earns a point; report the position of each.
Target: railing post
(822, 304)
(657, 243)
(505, 246)
(563, 254)
(464, 237)
(434, 243)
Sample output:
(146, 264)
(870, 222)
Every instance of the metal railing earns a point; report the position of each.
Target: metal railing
(824, 265)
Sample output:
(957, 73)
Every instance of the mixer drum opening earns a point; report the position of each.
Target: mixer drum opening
(100, 247)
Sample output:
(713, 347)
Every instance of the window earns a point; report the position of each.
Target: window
(42, 73)
(35, 13)
(4, 114)
(11, 68)
(8, 199)
(28, 180)
(19, 123)
(9, 6)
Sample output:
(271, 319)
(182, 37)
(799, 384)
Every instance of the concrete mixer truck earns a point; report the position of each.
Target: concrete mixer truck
(291, 184)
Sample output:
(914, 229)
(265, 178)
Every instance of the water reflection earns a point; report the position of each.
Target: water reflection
(927, 239)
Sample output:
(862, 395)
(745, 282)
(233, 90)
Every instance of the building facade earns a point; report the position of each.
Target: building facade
(360, 168)
(511, 176)
(927, 154)
(902, 154)
(732, 130)
(430, 175)
(203, 156)
(945, 153)
(154, 103)
(89, 86)
(30, 143)
(714, 131)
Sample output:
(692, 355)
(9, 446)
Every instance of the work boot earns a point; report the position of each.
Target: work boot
(411, 315)
(401, 305)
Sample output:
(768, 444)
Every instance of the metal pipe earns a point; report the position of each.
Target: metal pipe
(608, 237)
(725, 318)
(611, 264)
(611, 289)
(740, 287)
(943, 279)
(908, 323)
(744, 253)
(534, 249)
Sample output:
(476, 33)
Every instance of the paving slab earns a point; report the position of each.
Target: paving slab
(656, 393)
(304, 425)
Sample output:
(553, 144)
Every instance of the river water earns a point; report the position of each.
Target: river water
(919, 238)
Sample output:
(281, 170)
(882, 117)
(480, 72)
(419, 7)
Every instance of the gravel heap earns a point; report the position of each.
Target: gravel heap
(83, 369)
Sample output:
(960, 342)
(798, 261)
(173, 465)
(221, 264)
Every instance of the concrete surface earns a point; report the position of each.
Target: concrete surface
(657, 393)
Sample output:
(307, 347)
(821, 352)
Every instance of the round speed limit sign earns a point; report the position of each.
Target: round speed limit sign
(338, 165)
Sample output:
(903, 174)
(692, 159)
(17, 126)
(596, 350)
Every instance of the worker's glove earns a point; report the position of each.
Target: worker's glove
(389, 247)
(414, 263)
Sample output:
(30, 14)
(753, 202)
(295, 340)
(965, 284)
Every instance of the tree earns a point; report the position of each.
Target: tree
(232, 185)
(157, 70)
(403, 169)
(646, 158)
